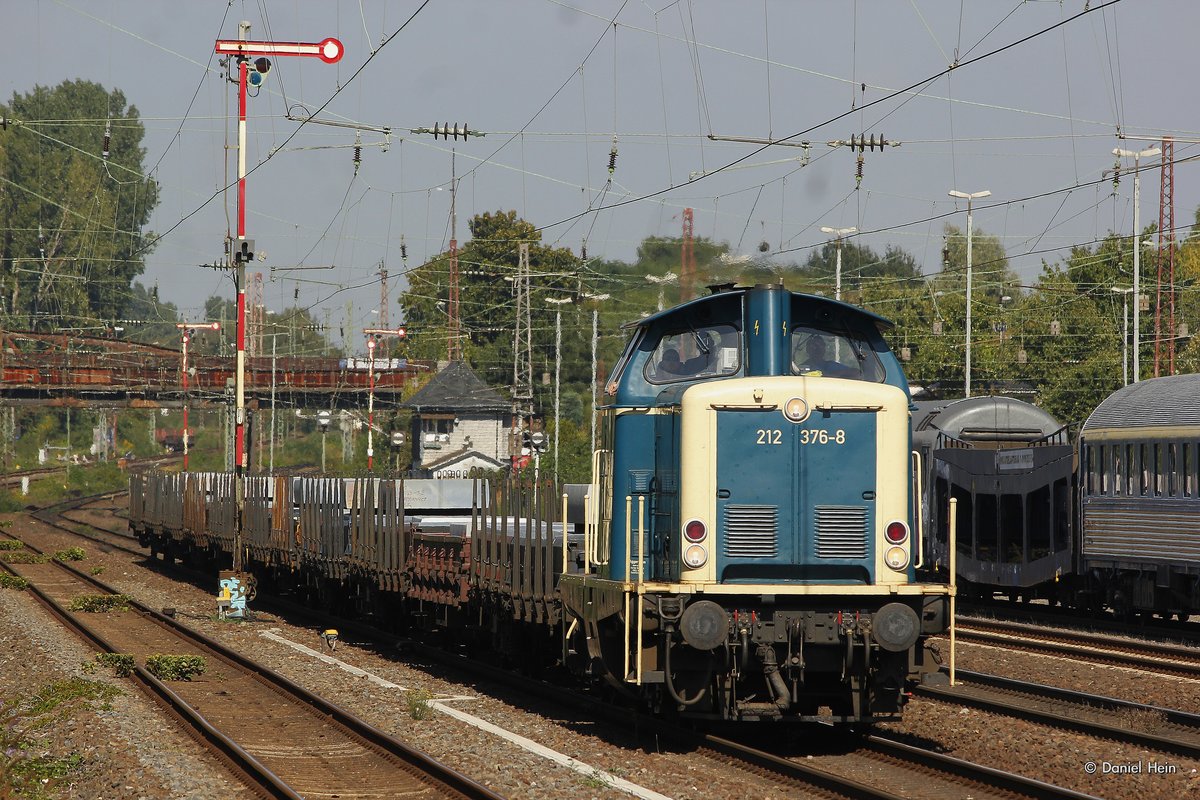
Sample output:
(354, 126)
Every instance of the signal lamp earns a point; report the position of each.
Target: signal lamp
(695, 531)
(262, 65)
(695, 556)
(896, 532)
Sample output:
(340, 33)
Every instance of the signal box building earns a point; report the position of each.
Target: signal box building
(459, 424)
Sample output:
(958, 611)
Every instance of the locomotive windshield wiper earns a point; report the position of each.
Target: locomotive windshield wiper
(703, 345)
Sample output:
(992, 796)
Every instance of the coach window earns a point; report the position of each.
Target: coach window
(1187, 465)
(1090, 460)
(1113, 484)
(1147, 470)
(1130, 471)
(1172, 470)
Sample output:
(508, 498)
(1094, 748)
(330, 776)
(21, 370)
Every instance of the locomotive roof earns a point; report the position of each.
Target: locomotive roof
(844, 309)
(983, 418)
(1158, 402)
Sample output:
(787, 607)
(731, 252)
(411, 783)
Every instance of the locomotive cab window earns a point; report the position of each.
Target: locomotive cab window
(818, 352)
(710, 351)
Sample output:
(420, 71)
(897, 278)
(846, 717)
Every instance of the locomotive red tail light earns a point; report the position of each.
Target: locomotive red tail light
(695, 531)
(896, 532)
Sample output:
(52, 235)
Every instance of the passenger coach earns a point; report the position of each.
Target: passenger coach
(1140, 497)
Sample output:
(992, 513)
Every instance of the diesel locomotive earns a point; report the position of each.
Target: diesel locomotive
(748, 547)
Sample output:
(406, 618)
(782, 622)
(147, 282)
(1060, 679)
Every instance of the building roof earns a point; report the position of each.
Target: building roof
(461, 454)
(456, 388)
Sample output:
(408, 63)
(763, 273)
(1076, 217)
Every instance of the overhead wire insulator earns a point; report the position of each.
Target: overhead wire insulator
(357, 152)
(858, 170)
(403, 249)
(446, 132)
(107, 140)
(612, 158)
(1116, 174)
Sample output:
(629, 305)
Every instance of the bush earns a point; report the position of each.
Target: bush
(24, 557)
(175, 668)
(12, 581)
(99, 603)
(11, 544)
(71, 554)
(122, 664)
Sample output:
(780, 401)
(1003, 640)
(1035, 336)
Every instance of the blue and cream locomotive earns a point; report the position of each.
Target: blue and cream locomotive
(751, 540)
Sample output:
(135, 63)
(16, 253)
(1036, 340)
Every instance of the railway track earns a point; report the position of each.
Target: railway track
(900, 770)
(1154, 657)
(278, 739)
(1159, 729)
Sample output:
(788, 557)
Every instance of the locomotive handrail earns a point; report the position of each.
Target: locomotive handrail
(918, 512)
(743, 407)
(832, 407)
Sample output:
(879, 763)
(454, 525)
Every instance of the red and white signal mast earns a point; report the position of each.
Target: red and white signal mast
(243, 50)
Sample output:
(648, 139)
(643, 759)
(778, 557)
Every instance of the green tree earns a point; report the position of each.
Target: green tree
(990, 275)
(71, 236)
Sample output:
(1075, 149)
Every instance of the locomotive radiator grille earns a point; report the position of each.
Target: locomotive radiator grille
(751, 531)
(841, 532)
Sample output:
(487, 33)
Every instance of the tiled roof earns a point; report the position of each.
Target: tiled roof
(456, 388)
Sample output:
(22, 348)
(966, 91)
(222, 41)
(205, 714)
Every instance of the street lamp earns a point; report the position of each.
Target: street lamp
(838, 234)
(373, 336)
(1124, 332)
(969, 196)
(1137, 249)
(186, 331)
(323, 423)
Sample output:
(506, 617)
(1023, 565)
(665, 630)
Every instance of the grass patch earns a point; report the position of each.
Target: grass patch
(71, 554)
(11, 544)
(100, 603)
(122, 664)
(26, 770)
(175, 668)
(12, 581)
(418, 703)
(24, 557)
(96, 570)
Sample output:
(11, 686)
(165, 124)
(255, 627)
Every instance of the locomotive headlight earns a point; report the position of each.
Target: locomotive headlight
(695, 556)
(896, 558)
(795, 409)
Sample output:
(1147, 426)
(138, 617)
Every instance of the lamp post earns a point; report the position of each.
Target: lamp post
(838, 234)
(186, 331)
(969, 196)
(1124, 332)
(660, 281)
(1137, 250)
(323, 423)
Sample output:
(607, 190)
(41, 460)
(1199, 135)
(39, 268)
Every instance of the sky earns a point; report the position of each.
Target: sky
(1031, 112)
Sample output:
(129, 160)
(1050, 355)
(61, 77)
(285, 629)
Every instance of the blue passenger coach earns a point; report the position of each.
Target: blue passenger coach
(750, 541)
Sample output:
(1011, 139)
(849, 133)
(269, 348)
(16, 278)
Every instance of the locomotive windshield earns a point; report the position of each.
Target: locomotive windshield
(834, 355)
(709, 351)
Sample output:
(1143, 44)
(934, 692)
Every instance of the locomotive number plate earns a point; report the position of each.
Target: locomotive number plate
(774, 436)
